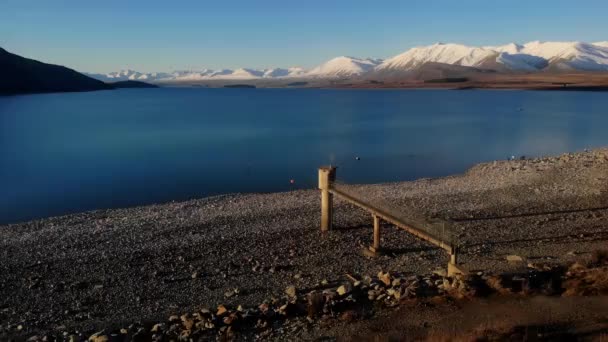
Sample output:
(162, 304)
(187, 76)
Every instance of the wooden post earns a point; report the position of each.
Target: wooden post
(326, 210)
(454, 256)
(453, 268)
(327, 175)
(376, 246)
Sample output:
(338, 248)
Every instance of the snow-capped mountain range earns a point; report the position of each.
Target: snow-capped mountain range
(533, 56)
(529, 57)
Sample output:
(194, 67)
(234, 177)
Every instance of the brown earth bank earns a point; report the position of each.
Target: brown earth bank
(536, 318)
(536, 81)
(131, 268)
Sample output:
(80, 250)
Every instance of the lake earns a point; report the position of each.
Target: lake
(64, 153)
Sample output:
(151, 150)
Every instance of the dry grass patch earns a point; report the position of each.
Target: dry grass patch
(593, 282)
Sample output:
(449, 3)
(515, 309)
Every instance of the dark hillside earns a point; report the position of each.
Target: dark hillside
(23, 75)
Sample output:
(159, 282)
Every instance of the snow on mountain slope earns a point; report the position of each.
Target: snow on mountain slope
(521, 61)
(510, 56)
(203, 75)
(570, 55)
(296, 72)
(189, 75)
(602, 44)
(511, 48)
(455, 54)
(238, 74)
(280, 72)
(343, 67)
(125, 75)
(532, 56)
(276, 72)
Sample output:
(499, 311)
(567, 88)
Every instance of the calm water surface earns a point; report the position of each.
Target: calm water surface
(62, 153)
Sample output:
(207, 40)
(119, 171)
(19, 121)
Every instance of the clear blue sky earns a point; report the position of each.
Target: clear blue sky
(163, 35)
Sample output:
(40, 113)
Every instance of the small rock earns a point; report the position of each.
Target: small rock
(440, 272)
(291, 291)
(342, 290)
(188, 323)
(385, 278)
(229, 319)
(98, 337)
(397, 294)
(221, 309)
(157, 328)
(514, 258)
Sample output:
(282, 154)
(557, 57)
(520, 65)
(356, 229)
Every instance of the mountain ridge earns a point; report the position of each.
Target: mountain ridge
(534, 56)
(22, 75)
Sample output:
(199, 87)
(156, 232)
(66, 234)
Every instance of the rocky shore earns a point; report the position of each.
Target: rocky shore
(107, 269)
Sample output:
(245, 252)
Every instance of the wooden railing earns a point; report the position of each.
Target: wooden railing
(435, 231)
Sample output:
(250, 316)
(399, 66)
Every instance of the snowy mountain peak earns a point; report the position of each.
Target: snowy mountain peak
(344, 66)
(456, 54)
(511, 48)
(281, 73)
(532, 56)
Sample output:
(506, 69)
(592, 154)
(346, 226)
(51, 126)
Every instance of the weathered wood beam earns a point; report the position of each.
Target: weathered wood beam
(446, 245)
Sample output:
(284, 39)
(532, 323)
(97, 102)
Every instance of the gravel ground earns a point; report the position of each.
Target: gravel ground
(110, 267)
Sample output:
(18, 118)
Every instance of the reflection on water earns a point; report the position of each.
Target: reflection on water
(62, 153)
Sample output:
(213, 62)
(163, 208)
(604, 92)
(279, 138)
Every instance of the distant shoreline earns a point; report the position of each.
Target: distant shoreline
(533, 81)
(497, 86)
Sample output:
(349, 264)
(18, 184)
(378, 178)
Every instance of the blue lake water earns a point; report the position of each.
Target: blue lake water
(63, 153)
